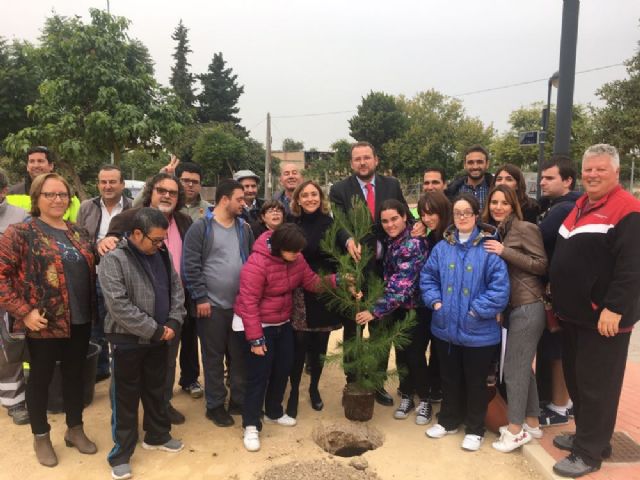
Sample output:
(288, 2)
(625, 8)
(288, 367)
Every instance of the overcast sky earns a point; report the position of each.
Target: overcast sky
(305, 57)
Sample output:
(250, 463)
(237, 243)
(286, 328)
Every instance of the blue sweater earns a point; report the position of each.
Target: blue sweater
(471, 284)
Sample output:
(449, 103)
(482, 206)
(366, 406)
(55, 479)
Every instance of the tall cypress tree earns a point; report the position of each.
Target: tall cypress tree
(220, 93)
(181, 79)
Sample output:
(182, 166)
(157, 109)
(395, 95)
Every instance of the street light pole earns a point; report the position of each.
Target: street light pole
(544, 123)
(568, 45)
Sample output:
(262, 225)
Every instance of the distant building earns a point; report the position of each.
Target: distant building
(302, 159)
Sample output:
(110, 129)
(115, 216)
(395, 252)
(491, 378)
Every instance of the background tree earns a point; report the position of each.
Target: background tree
(379, 120)
(439, 130)
(98, 95)
(327, 170)
(291, 145)
(506, 148)
(181, 78)
(19, 80)
(220, 93)
(618, 123)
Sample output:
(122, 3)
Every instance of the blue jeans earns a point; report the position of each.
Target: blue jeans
(97, 333)
(267, 375)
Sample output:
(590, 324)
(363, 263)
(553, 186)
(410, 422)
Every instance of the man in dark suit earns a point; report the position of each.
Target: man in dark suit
(373, 189)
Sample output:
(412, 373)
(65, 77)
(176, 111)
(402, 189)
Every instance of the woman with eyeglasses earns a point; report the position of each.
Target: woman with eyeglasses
(466, 287)
(47, 284)
(311, 320)
(523, 251)
(271, 215)
(511, 176)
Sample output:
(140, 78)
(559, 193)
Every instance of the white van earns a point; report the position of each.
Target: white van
(133, 187)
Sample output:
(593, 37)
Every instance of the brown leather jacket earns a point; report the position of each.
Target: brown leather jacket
(526, 260)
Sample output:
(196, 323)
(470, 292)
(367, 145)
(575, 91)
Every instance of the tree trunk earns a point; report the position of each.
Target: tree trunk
(69, 171)
(117, 156)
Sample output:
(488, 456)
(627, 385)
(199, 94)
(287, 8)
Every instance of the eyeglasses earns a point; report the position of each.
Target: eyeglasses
(163, 191)
(274, 211)
(189, 181)
(154, 241)
(463, 214)
(52, 195)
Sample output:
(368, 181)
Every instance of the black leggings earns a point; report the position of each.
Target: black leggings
(310, 345)
(72, 354)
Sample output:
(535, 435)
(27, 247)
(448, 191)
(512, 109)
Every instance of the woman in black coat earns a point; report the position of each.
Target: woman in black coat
(312, 321)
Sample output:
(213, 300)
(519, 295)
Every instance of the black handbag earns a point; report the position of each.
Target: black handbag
(12, 345)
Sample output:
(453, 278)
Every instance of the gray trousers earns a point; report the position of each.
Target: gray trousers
(217, 339)
(526, 324)
(12, 385)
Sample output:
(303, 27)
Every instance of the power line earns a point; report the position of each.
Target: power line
(519, 84)
(492, 89)
(314, 114)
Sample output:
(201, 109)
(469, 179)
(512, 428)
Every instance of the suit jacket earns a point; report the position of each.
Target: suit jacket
(386, 188)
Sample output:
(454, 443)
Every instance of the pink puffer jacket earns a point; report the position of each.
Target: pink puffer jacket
(266, 286)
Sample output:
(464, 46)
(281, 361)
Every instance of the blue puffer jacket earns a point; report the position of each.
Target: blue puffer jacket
(471, 284)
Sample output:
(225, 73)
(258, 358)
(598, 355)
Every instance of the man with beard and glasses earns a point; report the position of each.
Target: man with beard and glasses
(165, 193)
(477, 180)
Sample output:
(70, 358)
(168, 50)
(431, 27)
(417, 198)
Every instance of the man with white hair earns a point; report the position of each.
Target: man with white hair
(595, 279)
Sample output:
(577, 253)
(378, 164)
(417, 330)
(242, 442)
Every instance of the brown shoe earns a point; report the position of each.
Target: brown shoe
(44, 450)
(75, 437)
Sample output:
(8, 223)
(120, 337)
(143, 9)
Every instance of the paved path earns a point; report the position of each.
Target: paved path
(545, 454)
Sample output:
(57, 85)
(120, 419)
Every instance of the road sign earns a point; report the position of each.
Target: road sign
(528, 138)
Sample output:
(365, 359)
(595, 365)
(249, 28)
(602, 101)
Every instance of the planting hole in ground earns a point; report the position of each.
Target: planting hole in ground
(347, 439)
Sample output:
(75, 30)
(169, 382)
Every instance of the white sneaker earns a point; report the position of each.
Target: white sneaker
(251, 439)
(285, 420)
(536, 432)
(438, 431)
(472, 442)
(509, 442)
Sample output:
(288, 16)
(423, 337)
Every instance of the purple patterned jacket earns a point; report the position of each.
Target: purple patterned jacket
(402, 264)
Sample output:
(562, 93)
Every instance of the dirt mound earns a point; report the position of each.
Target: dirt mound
(316, 470)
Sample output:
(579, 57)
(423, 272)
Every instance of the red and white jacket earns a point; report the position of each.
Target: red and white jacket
(596, 263)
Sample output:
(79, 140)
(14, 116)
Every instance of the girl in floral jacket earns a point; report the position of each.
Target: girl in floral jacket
(405, 255)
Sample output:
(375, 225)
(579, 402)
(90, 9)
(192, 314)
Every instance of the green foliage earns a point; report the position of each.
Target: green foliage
(221, 149)
(291, 145)
(181, 78)
(19, 80)
(220, 93)
(618, 123)
(438, 133)
(360, 356)
(98, 95)
(217, 149)
(140, 164)
(327, 170)
(506, 148)
(379, 120)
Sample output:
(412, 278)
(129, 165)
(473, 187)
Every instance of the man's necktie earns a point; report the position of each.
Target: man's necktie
(371, 200)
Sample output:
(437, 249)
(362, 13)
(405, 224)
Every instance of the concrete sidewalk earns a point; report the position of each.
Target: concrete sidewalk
(543, 454)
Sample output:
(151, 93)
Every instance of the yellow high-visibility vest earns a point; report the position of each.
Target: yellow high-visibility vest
(24, 201)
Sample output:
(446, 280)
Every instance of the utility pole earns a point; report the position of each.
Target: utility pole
(568, 43)
(267, 161)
